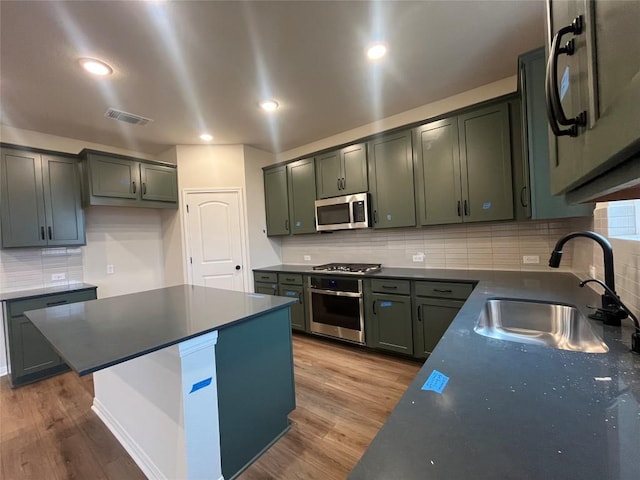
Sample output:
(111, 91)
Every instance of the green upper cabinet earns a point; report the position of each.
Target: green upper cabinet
(391, 173)
(342, 172)
(41, 201)
(602, 79)
(302, 196)
(128, 182)
(438, 187)
(533, 193)
(485, 161)
(463, 167)
(158, 183)
(276, 200)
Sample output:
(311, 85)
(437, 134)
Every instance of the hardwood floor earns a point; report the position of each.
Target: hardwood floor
(344, 395)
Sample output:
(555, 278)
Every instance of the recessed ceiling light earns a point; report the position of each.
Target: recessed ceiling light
(96, 67)
(376, 51)
(269, 105)
(206, 137)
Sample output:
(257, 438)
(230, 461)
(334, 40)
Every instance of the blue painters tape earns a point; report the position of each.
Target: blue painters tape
(386, 304)
(291, 294)
(256, 295)
(201, 384)
(486, 205)
(436, 382)
(298, 224)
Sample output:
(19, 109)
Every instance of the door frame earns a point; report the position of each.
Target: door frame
(243, 231)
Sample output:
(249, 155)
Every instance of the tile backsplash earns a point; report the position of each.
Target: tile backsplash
(29, 268)
(478, 246)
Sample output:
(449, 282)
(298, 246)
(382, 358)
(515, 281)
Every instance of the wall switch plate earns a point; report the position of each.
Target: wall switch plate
(109, 269)
(531, 259)
(58, 276)
(418, 257)
(307, 258)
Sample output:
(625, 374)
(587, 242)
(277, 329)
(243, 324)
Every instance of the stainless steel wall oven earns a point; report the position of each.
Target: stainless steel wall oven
(336, 307)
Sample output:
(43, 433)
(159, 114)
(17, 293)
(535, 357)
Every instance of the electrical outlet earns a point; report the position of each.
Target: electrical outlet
(58, 276)
(307, 258)
(109, 269)
(531, 259)
(418, 257)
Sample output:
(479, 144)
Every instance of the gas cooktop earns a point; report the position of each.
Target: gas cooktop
(357, 268)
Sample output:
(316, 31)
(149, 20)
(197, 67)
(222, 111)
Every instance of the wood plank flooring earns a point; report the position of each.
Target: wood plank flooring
(344, 395)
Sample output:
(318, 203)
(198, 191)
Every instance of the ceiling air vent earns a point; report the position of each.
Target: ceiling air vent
(126, 117)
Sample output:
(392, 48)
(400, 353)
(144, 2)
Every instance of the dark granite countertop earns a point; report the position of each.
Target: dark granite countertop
(44, 292)
(97, 334)
(509, 410)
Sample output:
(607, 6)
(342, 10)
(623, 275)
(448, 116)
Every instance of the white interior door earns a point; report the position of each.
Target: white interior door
(215, 242)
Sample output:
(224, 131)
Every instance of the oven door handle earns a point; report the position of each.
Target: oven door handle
(335, 294)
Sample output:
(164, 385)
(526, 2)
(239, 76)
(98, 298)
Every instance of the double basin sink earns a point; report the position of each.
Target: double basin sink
(539, 323)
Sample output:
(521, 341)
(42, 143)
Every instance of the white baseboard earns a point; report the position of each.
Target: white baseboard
(148, 467)
(3, 371)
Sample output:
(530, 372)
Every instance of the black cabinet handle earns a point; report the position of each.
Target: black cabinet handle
(53, 304)
(466, 209)
(50, 233)
(338, 183)
(458, 209)
(523, 197)
(286, 224)
(42, 233)
(289, 279)
(374, 307)
(144, 188)
(390, 287)
(344, 183)
(419, 313)
(133, 186)
(555, 112)
(375, 216)
(439, 290)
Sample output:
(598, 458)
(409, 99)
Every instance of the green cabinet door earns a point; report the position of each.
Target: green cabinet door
(354, 168)
(438, 186)
(432, 317)
(329, 174)
(266, 288)
(33, 353)
(534, 194)
(22, 201)
(63, 203)
(391, 173)
(159, 183)
(276, 201)
(113, 177)
(302, 196)
(297, 309)
(389, 323)
(485, 159)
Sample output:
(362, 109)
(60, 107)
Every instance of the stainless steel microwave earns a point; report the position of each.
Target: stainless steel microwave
(343, 213)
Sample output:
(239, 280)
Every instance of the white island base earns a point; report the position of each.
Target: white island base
(163, 409)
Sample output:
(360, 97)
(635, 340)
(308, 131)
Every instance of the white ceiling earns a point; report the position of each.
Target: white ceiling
(203, 65)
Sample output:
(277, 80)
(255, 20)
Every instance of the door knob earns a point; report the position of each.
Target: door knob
(237, 267)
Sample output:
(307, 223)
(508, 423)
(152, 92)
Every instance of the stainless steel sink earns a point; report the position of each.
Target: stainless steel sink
(539, 323)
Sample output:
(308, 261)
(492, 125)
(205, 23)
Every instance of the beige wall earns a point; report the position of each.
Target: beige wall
(430, 110)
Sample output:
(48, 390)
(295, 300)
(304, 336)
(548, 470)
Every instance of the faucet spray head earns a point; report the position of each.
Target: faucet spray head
(556, 256)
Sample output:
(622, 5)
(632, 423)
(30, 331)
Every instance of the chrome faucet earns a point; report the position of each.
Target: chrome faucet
(611, 313)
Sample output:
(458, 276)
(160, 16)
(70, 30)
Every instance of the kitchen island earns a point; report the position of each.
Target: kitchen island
(195, 382)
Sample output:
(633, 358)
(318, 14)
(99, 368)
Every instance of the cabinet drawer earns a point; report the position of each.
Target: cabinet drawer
(265, 277)
(444, 289)
(266, 288)
(399, 287)
(290, 278)
(17, 308)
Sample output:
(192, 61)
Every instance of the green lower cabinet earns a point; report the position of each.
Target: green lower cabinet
(266, 288)
(388, 318)
(432, 317)
(297, 310)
